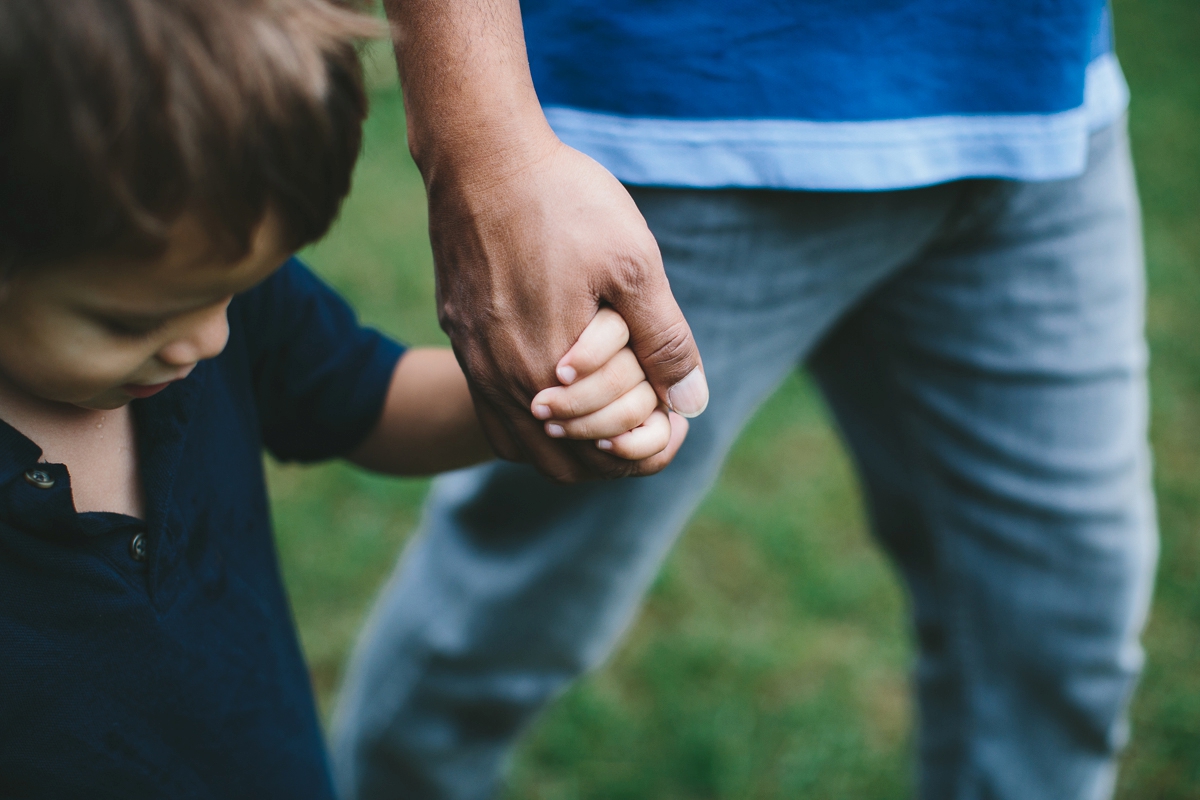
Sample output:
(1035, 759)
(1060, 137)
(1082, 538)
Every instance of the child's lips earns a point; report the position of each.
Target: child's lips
(140, 390)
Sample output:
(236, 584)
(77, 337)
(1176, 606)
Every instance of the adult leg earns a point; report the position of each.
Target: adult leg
(994, 395)
(513, 586)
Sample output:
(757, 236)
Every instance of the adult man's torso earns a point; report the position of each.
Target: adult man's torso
(815, 94)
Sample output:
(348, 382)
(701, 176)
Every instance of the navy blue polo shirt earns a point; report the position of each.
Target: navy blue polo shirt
(158, 659)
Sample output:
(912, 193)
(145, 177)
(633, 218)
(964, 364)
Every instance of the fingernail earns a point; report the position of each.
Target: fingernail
(604, 444)
(541, 412)
(566, 374)
(689, 397)
(557, 431)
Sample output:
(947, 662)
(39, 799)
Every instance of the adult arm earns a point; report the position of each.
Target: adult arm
(530, 237)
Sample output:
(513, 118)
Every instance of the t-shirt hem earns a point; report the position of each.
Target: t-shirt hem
(848, 156)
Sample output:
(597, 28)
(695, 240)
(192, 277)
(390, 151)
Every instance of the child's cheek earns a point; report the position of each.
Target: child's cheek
(93, 378)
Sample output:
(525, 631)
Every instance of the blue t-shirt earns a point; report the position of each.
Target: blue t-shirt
(158, 659)
(826, 94)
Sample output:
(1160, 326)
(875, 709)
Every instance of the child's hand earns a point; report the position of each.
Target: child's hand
(605, 396)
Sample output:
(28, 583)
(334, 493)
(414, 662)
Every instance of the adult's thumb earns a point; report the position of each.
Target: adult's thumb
(662, 340)
(689, 397)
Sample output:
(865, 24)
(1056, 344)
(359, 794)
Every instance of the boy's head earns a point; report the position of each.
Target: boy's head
(157, 156)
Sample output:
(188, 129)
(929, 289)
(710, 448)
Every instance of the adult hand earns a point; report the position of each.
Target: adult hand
(524, 260)
(529, 236)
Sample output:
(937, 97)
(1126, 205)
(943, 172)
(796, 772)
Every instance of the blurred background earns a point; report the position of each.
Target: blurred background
(772, 657)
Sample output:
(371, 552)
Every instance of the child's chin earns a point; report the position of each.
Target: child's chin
(114, 398)
(67, 395)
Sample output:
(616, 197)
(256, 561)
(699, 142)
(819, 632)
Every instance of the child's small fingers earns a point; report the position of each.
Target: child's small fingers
(590, 394)
(648, 439)
(606, 334)
(679, 432)
(623, 414)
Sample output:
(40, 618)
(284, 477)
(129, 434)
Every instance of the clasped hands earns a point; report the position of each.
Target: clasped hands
(530, 250)
(604, 397)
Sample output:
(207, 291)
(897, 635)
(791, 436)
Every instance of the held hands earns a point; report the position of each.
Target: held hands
(605, 397)
(604, 405)
(525, 254)
(530, 238)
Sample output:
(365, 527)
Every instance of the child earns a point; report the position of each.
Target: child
(159, 160)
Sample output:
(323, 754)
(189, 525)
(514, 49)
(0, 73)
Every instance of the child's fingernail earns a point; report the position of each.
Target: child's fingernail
(557, 431)
(689, 397)
(604, 444)
(567, 375)
(541, 412)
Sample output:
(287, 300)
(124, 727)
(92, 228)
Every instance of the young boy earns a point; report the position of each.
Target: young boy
(159, 161)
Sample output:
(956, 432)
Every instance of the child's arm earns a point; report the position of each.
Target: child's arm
(428, 423)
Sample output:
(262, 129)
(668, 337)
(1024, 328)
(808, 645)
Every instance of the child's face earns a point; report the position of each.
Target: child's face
(99, 333)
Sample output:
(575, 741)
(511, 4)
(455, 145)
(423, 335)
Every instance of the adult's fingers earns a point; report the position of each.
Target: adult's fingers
(549, 456)
(524, 259)
(528, 443)
(495, 428)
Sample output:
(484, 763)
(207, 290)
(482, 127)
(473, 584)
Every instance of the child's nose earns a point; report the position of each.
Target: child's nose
(205, 338)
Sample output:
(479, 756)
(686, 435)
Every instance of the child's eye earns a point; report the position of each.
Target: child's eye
(130, 330)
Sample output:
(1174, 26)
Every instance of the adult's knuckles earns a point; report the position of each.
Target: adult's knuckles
(670, 351)
(630, 267)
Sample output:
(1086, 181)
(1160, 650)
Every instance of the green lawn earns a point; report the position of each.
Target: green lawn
(771, 659)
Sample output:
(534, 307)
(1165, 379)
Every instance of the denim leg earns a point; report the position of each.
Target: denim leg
(994, 395)
(514, 586)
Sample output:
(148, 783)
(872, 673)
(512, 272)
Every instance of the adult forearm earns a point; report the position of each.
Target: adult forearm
(468, 94)
(530, 237)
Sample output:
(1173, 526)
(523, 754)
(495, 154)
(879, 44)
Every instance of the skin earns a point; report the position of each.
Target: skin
(530, 237)
(79, 341)
(429, 423)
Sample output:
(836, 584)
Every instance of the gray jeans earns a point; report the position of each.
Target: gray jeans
(981, 346)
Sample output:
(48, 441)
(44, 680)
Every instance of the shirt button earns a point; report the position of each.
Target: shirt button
(137, 547)
(39, 478)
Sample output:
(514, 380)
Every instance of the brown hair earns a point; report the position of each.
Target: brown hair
(117, 117)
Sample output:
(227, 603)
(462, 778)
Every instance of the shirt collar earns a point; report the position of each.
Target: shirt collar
(17, 452)
(161, 425)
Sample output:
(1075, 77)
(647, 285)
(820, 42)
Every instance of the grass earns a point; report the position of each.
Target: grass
(771, 657)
